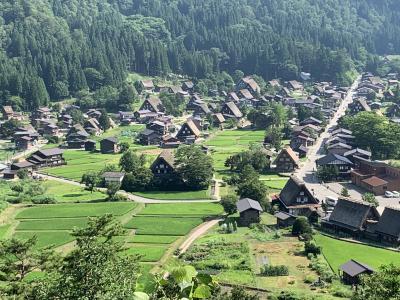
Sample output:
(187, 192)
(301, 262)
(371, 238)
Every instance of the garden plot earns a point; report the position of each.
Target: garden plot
(183, 209)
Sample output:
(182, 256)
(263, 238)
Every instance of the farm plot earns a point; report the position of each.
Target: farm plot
(158, 226)
(76, 210)
(179, 195)
(52, 224)
(163, 226)
(183, 209)
(79, 162)
(64, 192)
(230, 142)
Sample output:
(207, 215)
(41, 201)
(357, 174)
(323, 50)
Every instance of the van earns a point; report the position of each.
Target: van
(331, 201)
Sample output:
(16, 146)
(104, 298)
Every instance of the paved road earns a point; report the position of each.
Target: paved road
(307, 170)
(131, 197)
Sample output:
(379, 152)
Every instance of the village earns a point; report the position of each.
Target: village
(315, 169)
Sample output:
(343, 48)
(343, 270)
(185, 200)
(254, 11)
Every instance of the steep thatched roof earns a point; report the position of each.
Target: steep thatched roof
(389, 223)
(352, 214)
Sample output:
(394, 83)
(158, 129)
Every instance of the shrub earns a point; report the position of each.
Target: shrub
(310, 247)
(228, 202)
(309, 279)
(280, 270)
(44, 199)
(320, 266)
(301, 226)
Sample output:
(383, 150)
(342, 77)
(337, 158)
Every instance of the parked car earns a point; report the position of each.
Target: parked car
(389, 194)
(396, 194)
(331, 201)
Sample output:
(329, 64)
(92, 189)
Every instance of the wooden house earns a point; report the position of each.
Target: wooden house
(152, 104)
(24, 143)
(295, 85)
(249, 211)
(109, 145)
(188, 130)
(149, 137)
(359, 105)
(287, 161)
(94, 113)
(90, 145)
(92, 126)
(342, 164)
(296, 199)
(188, 86)
(169, 141)
(7, 112)
(248, 83)
(146, 86)
(388, 228)
(351, 217)
(230, 111)
(232, 97)
(47, 158)
(164, 164)
(284, 219)
(339, 148)
(312, 121)
(351, 271)
(218, 119)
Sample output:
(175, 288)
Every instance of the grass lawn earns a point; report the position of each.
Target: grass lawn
(64, 192)
(179, 195)
(151, 239)
(148, 253)
(163, 225)
(230, 142)
(338, 252)
(79, 162)
(76, 210)
(3, 231)
(46, 238)
(183, 209)
(276, 184)
(124, 133)
(52, 224)
(6, 151)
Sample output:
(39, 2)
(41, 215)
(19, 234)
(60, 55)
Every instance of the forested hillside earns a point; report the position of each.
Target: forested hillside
(50, 49)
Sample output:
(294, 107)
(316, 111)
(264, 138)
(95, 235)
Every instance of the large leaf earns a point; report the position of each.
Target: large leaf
(204, 278)
(183, 274)
(202, 292)
(140, 296)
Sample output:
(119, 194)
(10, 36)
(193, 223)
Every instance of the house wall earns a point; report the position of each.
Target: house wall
(285, 163)
(249, 217)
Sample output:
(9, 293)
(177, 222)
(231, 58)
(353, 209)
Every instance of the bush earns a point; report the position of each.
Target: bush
(44, 199)
(309, 279)
(228, 202)
(301, 226)
(280, 270)
(310, 247)
(320, 266)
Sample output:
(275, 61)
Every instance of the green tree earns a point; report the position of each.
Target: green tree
(8, 128)
(274, 136)
(345, 192)
(130, 162)
(90, 180)
(327, 172)
(112, 190)
(104, 120)
(370, 198)
(95, 269)
(137, 181)
(194, 167)
(301, 226)
(383, 284)
(228, 202)
(124, 146)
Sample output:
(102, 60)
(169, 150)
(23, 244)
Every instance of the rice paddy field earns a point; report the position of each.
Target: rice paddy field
(178, 195)
(229, 142)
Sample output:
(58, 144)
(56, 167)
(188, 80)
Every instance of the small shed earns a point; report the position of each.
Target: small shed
(90, 145)
(109, 145)
(113, 177)
(351, 271)
(249, 211)
(284, 219)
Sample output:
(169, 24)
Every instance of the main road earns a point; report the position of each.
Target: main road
(307, 169)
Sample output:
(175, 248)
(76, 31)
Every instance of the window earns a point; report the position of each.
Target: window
(302, 193)
(298, 199)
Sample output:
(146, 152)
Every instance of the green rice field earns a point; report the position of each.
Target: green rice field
(179, 195)
(183, 209)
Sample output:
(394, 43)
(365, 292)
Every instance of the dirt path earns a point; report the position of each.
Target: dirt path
(196, 233)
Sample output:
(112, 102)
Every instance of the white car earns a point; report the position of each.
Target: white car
(396, 194)
(389, 194)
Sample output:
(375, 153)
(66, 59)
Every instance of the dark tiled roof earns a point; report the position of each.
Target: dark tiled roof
(281, 215)
(113, 174)
(354, 268)
(292, 189)
(333, 159)
(51, 152)
(111, 139)
(246, 204)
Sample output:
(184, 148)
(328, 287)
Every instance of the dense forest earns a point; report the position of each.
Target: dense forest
(51, 49)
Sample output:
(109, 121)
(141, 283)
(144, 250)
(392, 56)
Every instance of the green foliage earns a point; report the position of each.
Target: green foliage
(194, 167)
(311, 247)
(130, 162)
(370, 198)
(174, 104)
(280, 270)
(104, 120)
(8, 128)
(112, 190)
(383, 284)
(345, 192)
(376, 133)
(228, 202)
(319, 265)
(301, 226)
(91, 180)
(95, 269)
(256, 157)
